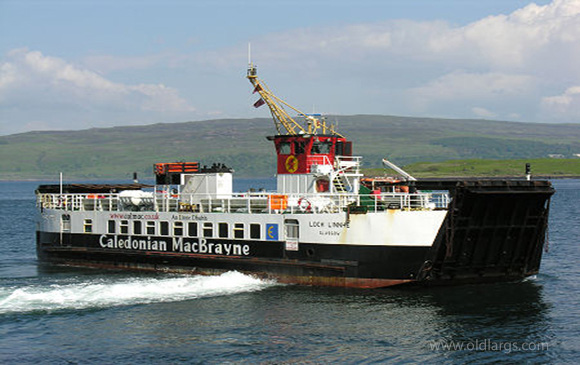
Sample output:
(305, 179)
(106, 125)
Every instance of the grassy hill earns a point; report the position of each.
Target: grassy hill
(543, 167)
(240, 143)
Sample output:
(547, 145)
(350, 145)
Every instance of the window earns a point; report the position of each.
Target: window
(238, 230)
(164, 228)
(292, 229)
(192, 229)
(347, 149)
(208, 229)
(111, 225)
(124, 227)
(88, 226)
(137, 227)
(284, 148)
(223, 230)
(299, 147)
(178, 228)
(65, 222)
(255, 231)
(150, 227)
(321, 147)
(339, 148)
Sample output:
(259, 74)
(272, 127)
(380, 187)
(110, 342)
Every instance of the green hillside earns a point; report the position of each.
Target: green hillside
(241, 144)
(545, 167)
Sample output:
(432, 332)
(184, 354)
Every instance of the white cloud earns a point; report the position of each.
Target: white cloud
(482, 112)
(516, 39)
(464, 93)
(522, 66)
(109, 63)
(565, 106)
(33, 86)
(501, 41)
(31, 71)
(511, 61)
(463, 85)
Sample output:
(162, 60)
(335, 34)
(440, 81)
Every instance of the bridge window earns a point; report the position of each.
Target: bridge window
(321, 148)
(347, 149)
(339, 148)
(299, 147)
(284, 148)
(344, 148)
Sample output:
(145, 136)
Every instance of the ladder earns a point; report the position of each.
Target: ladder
(338, 184)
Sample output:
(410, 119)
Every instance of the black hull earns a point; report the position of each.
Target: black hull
(313, 264)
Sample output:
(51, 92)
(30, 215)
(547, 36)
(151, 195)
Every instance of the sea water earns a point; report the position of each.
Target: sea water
(62, 315)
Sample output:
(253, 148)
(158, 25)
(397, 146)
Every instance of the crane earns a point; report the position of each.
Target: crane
(284, 123)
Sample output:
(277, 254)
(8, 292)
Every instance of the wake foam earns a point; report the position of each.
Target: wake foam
(107, 293)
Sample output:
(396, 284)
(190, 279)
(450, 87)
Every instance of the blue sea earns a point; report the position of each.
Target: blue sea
(57, 315)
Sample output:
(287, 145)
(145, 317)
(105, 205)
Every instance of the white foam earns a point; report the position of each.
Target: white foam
(531, 278)
(107, 293)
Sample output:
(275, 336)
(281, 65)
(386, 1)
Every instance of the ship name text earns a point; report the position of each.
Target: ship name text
(178, 244)
(320, 224)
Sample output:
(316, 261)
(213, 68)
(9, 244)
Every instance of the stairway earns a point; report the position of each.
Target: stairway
(338, 184)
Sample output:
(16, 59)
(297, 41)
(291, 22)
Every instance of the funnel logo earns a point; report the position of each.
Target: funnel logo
(291, 164)
(272, 232)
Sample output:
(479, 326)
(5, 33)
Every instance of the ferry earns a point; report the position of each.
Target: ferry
(326, 224)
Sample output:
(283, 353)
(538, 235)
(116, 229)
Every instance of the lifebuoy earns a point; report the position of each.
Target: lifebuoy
(304, 205)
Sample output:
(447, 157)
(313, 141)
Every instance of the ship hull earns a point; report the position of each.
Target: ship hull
(491, 231)
(322, 265)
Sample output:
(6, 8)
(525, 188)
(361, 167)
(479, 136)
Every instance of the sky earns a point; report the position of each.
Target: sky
(84, 64)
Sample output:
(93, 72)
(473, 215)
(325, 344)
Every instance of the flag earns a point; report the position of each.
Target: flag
(259, 103)
(256, 89)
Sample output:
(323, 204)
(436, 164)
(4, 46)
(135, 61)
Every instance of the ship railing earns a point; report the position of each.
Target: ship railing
(317, 160)
(261, 202)
(78, 202)
(348, 164)
(304, 203)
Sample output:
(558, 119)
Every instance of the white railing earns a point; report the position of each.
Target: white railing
(271, 203)
(84, 202)
(342, 164)
(348, 164)
(317, 160)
